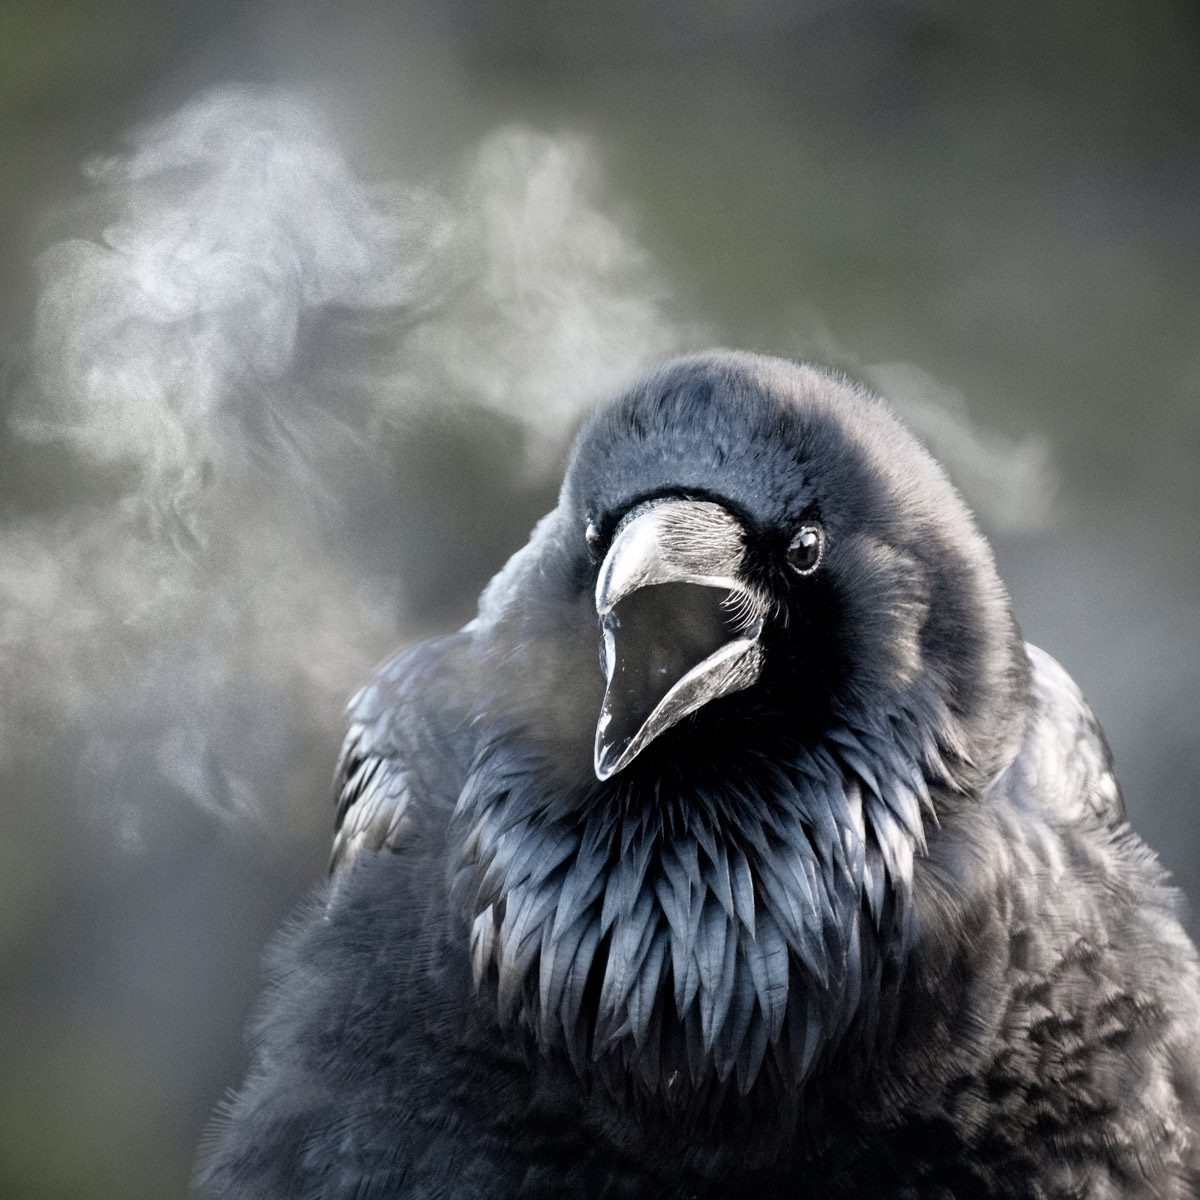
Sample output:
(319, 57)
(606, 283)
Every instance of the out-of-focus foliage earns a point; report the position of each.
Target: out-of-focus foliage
(990, 212)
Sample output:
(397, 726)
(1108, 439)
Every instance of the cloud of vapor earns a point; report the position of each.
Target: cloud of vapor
(239, 218)
(1012, 482)
(235, 219)
(234, 363)
(243, 345)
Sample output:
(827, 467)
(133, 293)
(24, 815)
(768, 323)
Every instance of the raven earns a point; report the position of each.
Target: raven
(819, 886)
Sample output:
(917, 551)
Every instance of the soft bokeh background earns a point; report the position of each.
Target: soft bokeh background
(289, 369)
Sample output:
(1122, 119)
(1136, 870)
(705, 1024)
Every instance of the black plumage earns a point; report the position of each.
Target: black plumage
(856, 913)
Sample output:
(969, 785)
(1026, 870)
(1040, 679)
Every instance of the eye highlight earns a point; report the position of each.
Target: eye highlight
(591, 535)
(806, 549)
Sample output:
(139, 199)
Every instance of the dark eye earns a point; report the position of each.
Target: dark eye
(591, 535)
(804, 553)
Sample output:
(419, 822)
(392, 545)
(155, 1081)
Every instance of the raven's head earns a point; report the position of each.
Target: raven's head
(696, 865)
(762, 528)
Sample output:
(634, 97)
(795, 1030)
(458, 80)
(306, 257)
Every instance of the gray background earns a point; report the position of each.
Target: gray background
(991, 211)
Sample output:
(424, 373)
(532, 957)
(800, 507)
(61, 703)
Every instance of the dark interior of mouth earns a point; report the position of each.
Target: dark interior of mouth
(659, 634)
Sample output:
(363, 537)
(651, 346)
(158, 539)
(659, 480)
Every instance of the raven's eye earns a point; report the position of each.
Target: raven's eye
(804, 553)
(591, 535)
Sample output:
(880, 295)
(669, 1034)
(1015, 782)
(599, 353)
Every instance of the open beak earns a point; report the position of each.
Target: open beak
(680, 624)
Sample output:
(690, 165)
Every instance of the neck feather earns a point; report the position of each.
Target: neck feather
(690, 935)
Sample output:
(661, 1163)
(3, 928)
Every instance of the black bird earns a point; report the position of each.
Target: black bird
(820, 885)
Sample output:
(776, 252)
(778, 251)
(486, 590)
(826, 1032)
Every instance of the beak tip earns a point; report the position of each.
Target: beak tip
(605, 761)
(611, 753)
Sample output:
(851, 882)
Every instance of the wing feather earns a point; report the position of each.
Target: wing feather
(1065, 764)
(404, 747)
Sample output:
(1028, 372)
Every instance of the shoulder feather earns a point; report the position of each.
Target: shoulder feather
(1065, 765)
(404, 746)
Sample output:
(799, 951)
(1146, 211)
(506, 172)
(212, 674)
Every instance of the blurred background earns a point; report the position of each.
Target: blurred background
(301, 303)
